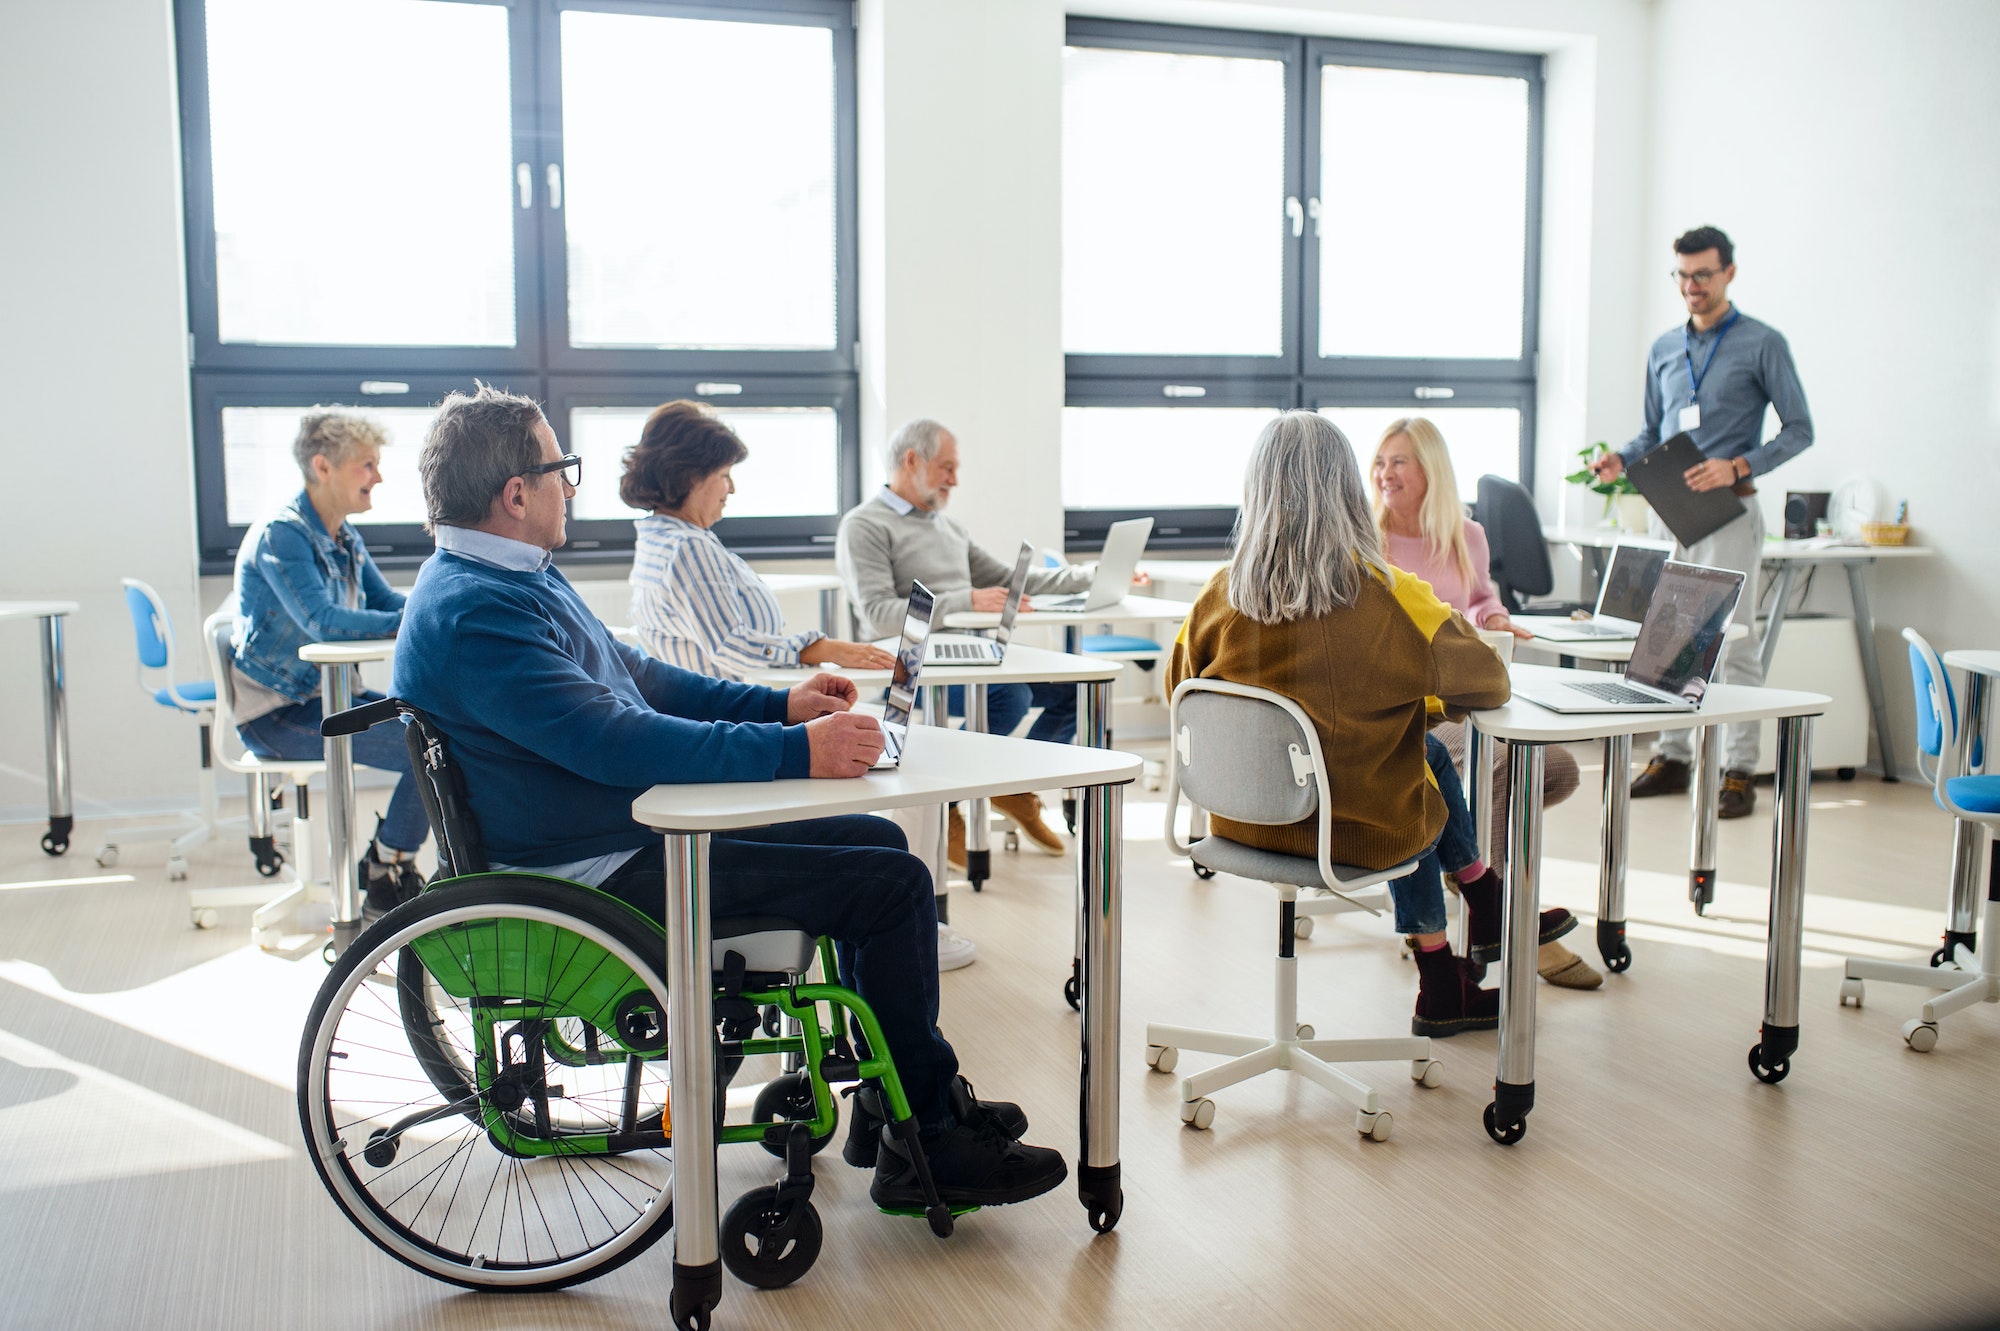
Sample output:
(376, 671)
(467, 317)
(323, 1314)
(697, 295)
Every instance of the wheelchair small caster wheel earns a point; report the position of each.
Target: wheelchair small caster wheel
(1921, 1036)
(1850, 992)
(1162, 1057)
(205, 917)
(1198, 1114)
(788, 1097)
(177, 870)
(1505, 1133)
(1304, 1031)
(1375, 1127)
(381, 1149)
(1427, 1073)
(107, 857)
(1619, 961)
(1302, 927)
(1768, 1073)
(1070, 995)
(1203, 872)
(767, 1242)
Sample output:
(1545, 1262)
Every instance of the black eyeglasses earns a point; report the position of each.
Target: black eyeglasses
(569, 464)
(1701, 277)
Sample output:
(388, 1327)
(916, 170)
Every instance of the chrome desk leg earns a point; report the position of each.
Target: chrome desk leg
(829, 612)
(1871, 668)
(1968, 846)
(55, 735)
(1770, 1058)
(343, 854)
(1478, 778)
(1093, 728)
(1611, 858)
(1705, 793)
(978, 855)
(1781, 600)
(937, 712)
(691, 1030)
(1514, 1090)
(1100, 878)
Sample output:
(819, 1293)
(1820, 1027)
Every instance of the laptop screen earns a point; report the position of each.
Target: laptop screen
(1628, 586)
(1682, 636)
(1016, 587)
(902, 698)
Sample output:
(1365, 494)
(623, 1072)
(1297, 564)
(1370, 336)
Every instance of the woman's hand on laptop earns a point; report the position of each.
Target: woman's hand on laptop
(848, 655)
(843, 744)
(822, 695)
(1500, 623)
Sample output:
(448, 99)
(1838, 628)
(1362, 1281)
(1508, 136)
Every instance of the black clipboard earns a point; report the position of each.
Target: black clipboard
(1661, 477)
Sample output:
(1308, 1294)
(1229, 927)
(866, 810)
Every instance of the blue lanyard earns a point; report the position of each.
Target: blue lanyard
(1687, 349)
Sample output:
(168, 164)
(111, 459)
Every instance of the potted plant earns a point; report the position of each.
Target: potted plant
(1621, 497)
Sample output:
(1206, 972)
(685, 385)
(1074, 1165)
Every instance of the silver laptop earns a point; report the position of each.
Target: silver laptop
(1124, 544)
(918, 620)
(1674, 658)
(969, 649)
(1621, 601)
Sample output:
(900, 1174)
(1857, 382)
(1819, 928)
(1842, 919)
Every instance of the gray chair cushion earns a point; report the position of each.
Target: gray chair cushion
(1238, 761)
(768, 945)
(1268, 866)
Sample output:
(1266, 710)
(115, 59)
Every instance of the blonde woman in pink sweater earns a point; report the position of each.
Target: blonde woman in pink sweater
(1425, 532)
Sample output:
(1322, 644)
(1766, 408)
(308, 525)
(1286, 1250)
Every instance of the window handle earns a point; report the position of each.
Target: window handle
(1312, 211)
(524, 180)
(1426, 392)
(1297, 214)
(555, 186)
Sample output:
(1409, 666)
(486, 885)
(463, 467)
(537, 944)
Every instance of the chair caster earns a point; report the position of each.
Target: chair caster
(1768, 1073)
(1302, 927)
(1202, 871)
(1162, 1057)
(205, 917)
(1376, 1126)
(1012, 839)
(107, 856)
(1427, 1073)
(1304, 1031)
(1920, 1035)
(768, 1242)
(1850, 992)
(1198, 1114)
(177, 870)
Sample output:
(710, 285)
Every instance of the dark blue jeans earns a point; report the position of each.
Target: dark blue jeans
(1006, 704)
(851, 879)
(293, 732)
(1419, 895)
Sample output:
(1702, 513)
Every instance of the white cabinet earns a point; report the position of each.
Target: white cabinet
(1818, 654)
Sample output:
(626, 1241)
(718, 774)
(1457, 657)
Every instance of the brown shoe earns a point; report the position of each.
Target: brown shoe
(1026, 812)
(954, 840)
(1565, 969)
(1663, 776)
(1739, 796)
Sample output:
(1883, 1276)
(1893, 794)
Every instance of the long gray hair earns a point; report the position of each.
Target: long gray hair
(1304, 535)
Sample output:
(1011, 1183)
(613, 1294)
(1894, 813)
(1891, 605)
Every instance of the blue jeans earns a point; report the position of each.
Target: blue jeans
(851, 879)
(1006, 704)
(1419, 895)
(293, 732)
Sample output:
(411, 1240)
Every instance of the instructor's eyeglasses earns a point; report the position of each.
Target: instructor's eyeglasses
(569, 464)
(1699, 278)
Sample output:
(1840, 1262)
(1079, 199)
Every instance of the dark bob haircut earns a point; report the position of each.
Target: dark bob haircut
(682, 445)
(1706, 238)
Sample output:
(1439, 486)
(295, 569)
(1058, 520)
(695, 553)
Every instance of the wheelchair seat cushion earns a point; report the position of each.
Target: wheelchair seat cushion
(768, 944)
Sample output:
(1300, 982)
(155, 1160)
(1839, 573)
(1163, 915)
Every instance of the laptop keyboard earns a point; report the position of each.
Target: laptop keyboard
(1615, 693)
(960, 651)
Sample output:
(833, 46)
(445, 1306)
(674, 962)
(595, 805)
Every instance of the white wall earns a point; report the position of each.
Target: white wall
(1848, 148)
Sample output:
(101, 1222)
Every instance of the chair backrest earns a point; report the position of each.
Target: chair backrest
(442, 785)
(1520, 557)
(218, 642)
(1244, 753)
(1937, 707)
(150, 625)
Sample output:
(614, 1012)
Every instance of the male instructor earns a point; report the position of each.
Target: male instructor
(1712, 377)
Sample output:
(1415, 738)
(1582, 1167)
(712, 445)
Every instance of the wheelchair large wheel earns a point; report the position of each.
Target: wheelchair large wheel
(439, 1117)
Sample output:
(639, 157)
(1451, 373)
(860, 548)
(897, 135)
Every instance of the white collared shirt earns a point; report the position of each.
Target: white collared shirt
(502, 552)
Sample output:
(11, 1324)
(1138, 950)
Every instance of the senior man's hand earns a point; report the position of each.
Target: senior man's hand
(844, 744)
(989, 600)
(822, 695)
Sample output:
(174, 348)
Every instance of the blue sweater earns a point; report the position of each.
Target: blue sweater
(558, 726)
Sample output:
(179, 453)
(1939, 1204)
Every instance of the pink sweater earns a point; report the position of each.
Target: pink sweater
(1476, 601)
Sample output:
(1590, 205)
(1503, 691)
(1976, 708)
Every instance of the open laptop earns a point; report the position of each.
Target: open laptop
(969, 649)
(1621, 601)
(1124, 544)
(1673, 659)
(918, 621)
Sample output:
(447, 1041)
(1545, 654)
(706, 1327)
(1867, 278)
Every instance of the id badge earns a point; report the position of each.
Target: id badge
(1691, 416)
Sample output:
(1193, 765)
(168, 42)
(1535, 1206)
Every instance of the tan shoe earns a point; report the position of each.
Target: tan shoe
(954, 840)
(1026, 812)
(1565, 969)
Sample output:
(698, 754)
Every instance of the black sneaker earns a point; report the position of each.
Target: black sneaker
(974, 1163)
(864, 1123)
(385, 886)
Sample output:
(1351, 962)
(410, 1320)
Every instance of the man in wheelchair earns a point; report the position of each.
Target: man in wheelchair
(558, 727)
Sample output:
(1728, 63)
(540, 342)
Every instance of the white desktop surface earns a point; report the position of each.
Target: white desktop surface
(939, 766)
(348, 653)
(1197, 571)
(35, 609)
(1130, 610)
(1973, 661)
(1024, 665)
(1725, 703)
(1809, 551)
(800, 582)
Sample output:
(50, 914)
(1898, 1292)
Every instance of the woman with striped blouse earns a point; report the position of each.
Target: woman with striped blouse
(694, 603)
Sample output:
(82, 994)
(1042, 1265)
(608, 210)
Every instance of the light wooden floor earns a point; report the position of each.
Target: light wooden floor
(151, 1173)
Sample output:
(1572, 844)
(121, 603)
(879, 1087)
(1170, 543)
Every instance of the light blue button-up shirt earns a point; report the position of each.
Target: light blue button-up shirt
(1752, 368)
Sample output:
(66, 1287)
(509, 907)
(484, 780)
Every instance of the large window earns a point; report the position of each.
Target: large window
(1253, 222)
(605, 204)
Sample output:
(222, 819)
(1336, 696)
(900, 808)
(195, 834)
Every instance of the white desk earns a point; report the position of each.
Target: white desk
(1617, 651)
(1529, 729)
(1967, 888)
(826, 584)
(940, 766)
(1131, 610)
(343, 850)
(55, 714)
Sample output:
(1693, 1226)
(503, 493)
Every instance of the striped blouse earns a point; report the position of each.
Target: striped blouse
(701, 608)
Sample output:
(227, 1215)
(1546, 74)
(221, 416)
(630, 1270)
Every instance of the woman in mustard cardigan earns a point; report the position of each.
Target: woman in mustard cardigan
(1310, 608)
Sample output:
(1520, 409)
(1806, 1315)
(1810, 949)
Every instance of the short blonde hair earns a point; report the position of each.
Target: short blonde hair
(335, 436)
(1442, 517)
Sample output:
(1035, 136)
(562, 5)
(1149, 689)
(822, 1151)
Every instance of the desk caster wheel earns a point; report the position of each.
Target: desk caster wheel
(767, 1242)
(1162, 1057)
(1071, 996)
(1198, 1114)
(1943, 960)
(1375, 1127)
(1768, 1073)
(1619, 962)
(1203, 872)
(1427, 1073)
(1302, 927)
(54, 845)
(1505, 1133)
(1921, 1036)
(1850, 992)
(107, 857)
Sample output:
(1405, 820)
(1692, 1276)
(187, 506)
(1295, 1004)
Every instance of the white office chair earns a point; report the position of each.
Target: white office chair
(1252, 756)
(218, 636)
(1975, 798)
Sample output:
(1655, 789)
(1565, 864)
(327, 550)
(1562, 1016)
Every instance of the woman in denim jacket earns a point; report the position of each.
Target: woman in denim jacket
(305, 576)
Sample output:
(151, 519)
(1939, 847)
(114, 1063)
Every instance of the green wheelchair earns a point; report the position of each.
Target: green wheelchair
(485, 1083)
